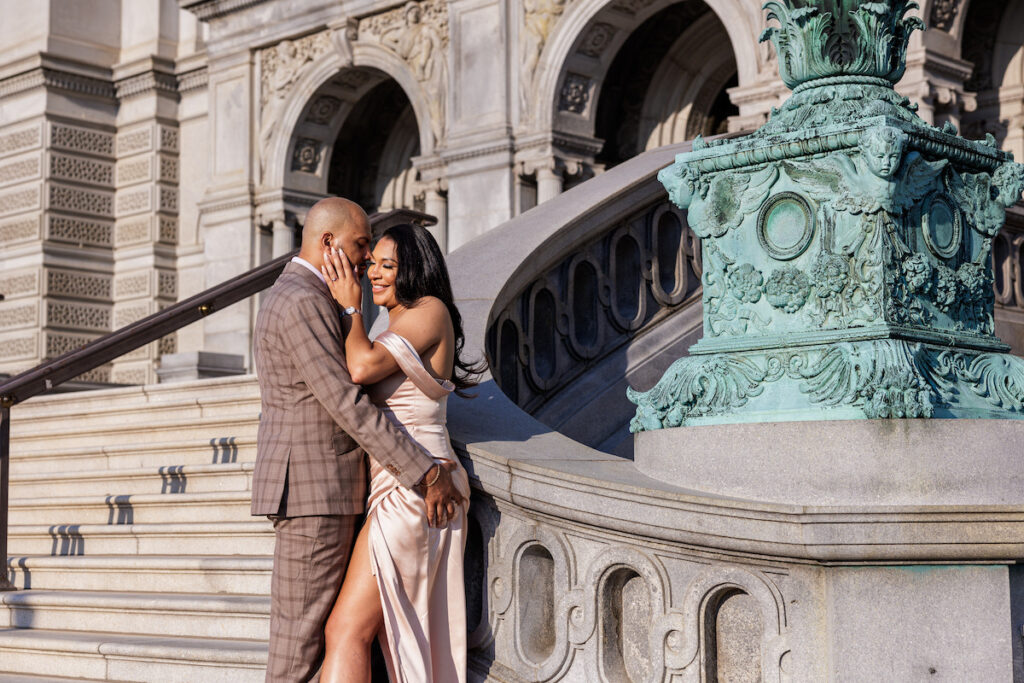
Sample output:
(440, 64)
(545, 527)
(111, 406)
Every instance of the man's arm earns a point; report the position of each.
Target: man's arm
(312, 335)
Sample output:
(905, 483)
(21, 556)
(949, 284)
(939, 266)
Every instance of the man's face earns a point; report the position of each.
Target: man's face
(354, 241)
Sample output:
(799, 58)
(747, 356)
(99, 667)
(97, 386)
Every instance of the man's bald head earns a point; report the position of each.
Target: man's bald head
(339, 223)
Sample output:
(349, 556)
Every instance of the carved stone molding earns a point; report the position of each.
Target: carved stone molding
(55, 78)
(152, 81)
(193, 80)
(207, 10)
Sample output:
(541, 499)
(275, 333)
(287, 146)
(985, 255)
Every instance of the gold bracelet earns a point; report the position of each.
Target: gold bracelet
(433, 481)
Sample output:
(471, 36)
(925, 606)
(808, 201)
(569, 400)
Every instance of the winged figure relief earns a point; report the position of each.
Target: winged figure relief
(722, 203)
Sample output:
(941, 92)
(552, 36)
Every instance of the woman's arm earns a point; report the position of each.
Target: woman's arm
(367, 362)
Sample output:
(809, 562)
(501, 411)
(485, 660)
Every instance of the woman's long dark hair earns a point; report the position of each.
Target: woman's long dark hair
(422, 272)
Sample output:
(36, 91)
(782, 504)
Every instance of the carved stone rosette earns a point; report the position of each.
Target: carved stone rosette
(846, 246)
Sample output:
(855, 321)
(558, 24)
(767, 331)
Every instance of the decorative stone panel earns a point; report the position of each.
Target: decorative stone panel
(575, 93)
(19, 284)
(94, 202)
(168, 199)
(167, 285)
(57, 343)
(20, 170)
(134, 141)
(80, 231)
(168, 230)
(78, 316)
(19, 230)
(168, 169)
(15, 348)
(69, 283)
(134, 201)
(133, 231)
(129, 314)
(131, 286)
(81, 169)
(78, 139)
(168, 344)
(129, 375)
(100, 375)
(168, 139)
(21, 200)
(134, 171)
(20, 140)
(23, 315)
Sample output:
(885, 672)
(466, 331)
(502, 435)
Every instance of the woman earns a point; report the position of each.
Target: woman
(404, 581)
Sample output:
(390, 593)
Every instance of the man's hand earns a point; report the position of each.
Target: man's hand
(441, 498)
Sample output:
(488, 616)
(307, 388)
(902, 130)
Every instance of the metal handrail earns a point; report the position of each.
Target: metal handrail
(52, 373)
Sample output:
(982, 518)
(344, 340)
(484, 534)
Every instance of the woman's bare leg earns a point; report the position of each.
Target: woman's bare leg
(355, 621)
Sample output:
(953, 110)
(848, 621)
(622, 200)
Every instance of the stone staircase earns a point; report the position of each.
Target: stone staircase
(131, 539)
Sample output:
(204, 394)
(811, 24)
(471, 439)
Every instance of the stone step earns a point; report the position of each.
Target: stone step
(150, 453)
(110, 403)
(135, 432)
(122, 657)
(164, 479)
(254, 537)
(170, 508)
(164, 614)
(229, 574)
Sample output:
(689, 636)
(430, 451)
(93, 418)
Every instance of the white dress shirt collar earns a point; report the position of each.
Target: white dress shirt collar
(306, 264)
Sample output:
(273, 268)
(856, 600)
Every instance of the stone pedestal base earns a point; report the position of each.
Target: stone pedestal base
(181, 367)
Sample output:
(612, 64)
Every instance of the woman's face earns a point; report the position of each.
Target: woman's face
(383, 273)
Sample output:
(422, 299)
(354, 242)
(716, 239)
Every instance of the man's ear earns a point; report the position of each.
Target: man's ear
(325, 239)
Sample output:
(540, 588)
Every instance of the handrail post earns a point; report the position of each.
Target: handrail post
(5, 468)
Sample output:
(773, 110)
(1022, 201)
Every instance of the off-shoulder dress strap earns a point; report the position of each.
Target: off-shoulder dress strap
(412, 365)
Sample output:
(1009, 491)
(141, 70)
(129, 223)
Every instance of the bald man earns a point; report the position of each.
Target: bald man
(315, 430)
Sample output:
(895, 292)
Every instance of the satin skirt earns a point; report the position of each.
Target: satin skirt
(419, 572)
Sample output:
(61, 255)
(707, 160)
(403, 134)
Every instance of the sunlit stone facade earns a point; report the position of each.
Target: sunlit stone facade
(150, 148)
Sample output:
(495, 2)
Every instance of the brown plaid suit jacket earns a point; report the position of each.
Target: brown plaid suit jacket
(316, 425)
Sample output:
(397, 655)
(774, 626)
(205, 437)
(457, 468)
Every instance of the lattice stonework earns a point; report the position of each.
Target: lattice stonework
(147, 217)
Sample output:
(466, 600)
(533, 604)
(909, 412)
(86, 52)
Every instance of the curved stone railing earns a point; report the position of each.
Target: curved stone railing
(581, 566)
(591, 310)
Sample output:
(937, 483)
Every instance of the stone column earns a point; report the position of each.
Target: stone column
(436, 204)
(283, 236)
(549, 180)
(146, 231)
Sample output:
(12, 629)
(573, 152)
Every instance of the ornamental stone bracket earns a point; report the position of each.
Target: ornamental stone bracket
(846, 246)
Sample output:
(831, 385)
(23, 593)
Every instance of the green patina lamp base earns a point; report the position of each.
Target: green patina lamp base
(846, 247)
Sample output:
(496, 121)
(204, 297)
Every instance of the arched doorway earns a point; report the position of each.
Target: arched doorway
(667, 83)
(371, 158)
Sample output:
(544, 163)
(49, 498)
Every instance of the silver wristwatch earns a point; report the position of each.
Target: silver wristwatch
(351, 310)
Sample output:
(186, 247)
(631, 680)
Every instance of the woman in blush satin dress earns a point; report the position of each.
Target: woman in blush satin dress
(404, 583)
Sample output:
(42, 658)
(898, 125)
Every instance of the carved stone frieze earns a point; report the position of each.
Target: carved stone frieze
(19, 200)
(21, 170)
(57, 344)
(134, 201)
(135, 141)
(133, 231)
(18, 230)
(12, 286)
(21, 140)
(169, 138)
(281, 66)
(122, 375)
(78, 316)
(66, 283)
(78, 139)
(134, 171)
(81, 169)
(79, 230)
(132, 286)
(168, 230)
(81, 201)
(417, 33)
(128, 314)
(23, 315)
(168, 199)
(19, 347)
(168, 169)
(167, 285)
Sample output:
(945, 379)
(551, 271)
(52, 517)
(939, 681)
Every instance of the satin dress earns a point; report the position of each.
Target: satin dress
(418, 568)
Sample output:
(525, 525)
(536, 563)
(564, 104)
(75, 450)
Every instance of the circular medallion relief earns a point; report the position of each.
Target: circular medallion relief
(785, 226)
(941, 226)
